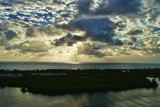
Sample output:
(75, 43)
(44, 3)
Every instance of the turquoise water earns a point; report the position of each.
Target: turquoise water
(32, 65)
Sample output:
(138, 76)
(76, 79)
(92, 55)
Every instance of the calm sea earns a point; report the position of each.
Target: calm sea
(44, 65)
(13, 97)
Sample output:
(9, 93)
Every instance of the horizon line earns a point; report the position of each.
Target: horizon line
(79, 62)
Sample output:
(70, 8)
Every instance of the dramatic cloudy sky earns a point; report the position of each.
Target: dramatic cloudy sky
(80, 30)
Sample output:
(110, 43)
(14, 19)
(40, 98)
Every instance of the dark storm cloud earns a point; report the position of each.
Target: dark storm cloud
(98, 29)
(84, 6)
(135, 32)
(69, 40)
(5, 4)
(10, 2)
(120, 7)
(58, 2)
(109, 7)
(117, 42)
(133, 39)
(157, 1)
(10, 34)
(120, 26)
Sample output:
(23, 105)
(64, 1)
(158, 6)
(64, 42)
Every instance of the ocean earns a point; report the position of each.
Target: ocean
(47, 65)
(14, 97)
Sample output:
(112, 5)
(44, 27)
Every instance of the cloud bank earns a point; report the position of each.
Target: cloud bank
(80, 30)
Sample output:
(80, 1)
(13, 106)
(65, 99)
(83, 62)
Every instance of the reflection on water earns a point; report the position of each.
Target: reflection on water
(40, 65)
(13, 97)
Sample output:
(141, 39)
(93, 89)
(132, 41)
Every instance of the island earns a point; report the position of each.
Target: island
(63, 81)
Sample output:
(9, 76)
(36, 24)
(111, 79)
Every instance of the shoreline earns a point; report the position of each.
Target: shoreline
(52, 82)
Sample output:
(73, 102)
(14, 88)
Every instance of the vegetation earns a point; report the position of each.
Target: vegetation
(75, 81)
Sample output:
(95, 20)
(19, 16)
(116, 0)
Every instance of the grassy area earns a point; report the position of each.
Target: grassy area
(76, 81)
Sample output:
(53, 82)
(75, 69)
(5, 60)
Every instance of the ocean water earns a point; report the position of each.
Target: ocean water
(13, 97)
(44, 65)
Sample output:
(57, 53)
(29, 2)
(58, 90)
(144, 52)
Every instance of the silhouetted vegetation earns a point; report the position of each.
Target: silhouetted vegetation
(62, 81)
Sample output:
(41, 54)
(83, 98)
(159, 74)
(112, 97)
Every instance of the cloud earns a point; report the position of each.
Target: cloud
(58, 2)
(10, 34)
(153, 14)
(33, 46)
(151, 43)
(104, 7)
(117, 42)
(40, 31)
(31, 31)
(4, 26)
(69, 40)
(5, 3)
(37, 12)
(3, 41)
(135, 32)
(157, 1)
(56, 28)
(97, 29)
(90, 49)
(133, 39)
(84, 6)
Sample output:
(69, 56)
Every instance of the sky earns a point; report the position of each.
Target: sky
(125, 31)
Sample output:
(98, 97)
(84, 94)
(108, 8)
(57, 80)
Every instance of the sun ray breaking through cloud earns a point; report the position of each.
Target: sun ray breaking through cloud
(80, 30)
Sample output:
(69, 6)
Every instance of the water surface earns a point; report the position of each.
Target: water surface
(13, 97)
(36, 65)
